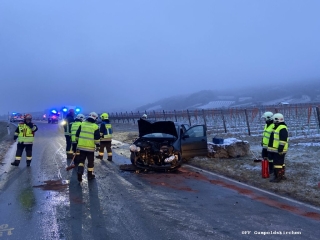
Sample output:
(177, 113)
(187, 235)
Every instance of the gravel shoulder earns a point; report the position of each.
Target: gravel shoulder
(302, 164)
(5, 140)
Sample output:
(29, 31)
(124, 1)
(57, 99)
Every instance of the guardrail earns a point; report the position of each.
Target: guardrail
(302, 119)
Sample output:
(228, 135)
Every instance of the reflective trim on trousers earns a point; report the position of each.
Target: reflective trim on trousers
(278, 166)
(29, 158)
(109, 153)
(90, 169)
(18, 158)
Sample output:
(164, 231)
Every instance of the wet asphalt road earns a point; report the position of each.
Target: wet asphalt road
(46, 202)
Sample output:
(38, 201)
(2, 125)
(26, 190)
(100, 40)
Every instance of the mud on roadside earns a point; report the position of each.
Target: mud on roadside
(302, 165)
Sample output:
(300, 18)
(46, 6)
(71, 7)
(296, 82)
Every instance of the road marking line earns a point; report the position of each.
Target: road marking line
(5, 228)
(252, 187)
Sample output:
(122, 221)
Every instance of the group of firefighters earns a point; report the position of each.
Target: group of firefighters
(275, 144)
(83, 137)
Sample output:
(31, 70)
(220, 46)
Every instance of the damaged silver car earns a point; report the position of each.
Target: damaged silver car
(164, 144)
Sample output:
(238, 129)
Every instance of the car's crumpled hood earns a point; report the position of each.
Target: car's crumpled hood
(146, 127)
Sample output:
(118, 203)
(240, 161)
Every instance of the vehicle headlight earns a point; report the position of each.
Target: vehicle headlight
(63, 122)
(134, 148)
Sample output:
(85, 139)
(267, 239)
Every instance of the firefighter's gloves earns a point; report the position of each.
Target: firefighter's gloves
(280, 149)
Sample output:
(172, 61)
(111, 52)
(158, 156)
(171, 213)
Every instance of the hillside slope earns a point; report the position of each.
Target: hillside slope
(302, 92)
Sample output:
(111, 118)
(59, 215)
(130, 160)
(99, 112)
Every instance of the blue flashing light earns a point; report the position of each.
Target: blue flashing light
(54, 111)
(78, 110)
(65, 109)
(14, 113)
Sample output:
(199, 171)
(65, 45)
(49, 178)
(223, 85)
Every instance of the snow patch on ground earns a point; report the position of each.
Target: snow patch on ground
(228, 141)
(309, 144)
(157, 107)
(217, 104)
(117, 143)
(250, 167)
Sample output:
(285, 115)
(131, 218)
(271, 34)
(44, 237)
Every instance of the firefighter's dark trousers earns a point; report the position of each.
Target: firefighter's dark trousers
(68, 144)
(266, 155)
(20, 148)
(107, 145)
(278, 163)
(278, 160)
(82, 158)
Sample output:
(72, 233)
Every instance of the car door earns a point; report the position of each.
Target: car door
(194, 142)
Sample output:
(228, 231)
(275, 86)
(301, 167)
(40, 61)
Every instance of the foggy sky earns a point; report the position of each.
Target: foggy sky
(109, 55)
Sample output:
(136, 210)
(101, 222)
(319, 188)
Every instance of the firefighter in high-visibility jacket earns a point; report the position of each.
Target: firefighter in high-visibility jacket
(268, 128)
(278, 146)
(74, 128)
(106, 137)
(25, 135)
(88, 137)
(67, 132)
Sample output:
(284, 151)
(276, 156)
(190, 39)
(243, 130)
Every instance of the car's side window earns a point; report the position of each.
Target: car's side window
(196, 131)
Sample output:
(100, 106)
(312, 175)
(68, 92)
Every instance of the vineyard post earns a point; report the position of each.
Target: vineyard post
(175, 115)
(117, 117)
(154, 114)
(134, 121)
(224, 122)
(318, 116)
(122, 116)
(127, 117)
(189, 117)
(204, 118)
(247, 120)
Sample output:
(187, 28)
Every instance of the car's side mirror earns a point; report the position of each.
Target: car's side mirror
(185, 136)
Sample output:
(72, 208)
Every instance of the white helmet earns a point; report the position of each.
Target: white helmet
(80, 117)
(144, 116)
(93, 115)
(267, 116)
(278, 118)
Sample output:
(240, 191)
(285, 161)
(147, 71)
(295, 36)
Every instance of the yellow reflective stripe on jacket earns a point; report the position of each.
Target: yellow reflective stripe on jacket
(107, 135)
(74, 129)
(277, 142)
(266, 134)
(25, 134)
(86, 140)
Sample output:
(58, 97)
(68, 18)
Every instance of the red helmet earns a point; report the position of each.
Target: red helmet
(27, 116)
